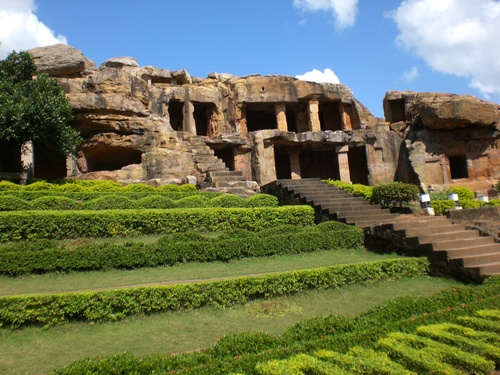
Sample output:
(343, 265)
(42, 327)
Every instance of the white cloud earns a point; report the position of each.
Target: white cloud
(21, 29)
(343, 11)
(458, 37)
(316, 75)
(411, 74)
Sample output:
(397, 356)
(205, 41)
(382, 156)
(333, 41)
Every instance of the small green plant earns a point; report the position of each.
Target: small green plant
(395, 194)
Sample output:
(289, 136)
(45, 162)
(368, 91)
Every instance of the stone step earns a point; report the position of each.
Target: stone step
(479, 260)
(461, 243)
(302, 181)
(206, 167)
(326, 196)
(221, 173)
(374, 223)
(237, 184)
(431, 229)
(403, 224)
(352, 208)
(218, 179)
(471, 251)
(491, 269)
(372, 217)
(448, 236)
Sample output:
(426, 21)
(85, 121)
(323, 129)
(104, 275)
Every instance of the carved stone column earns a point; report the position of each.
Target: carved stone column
(280, 109)
(345, 174)
(313, 111)
(294, 156)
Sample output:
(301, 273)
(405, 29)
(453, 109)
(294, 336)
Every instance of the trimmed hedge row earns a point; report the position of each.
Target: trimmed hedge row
(114, 201)
(112, 305)
(18, 225)
(89, 195)
(240, 353)
(171, 249)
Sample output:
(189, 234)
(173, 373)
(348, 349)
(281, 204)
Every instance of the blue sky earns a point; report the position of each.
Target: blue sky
(372, 46)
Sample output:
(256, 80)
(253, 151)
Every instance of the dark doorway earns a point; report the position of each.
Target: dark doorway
(10, 157)
(458, 167)
(398, 112)
(358, 166)
(227, 156)
(291, 120)
(261, 116)
(330, 116)
(282, 163)
(111, 158)
(176, 114)
(202, 114)
(323, 164)
(48, 165)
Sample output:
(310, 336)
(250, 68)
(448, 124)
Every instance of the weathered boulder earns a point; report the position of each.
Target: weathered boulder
(60, 60)
(120, 62)
(448, 111)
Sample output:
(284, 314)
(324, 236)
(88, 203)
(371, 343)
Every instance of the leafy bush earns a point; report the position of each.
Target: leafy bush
(9, 186)
(56, 203)
(261, 200)
(71, 187)
(441, 206)
(111, 202)
(470, 203)
(11, 203)
(395, 193)
(172, 187)
(104, 185)
(39, 186)
(193, 201)
(227, 200)
(358, 190)
(156, 201)
(464, 193)
(138, 187)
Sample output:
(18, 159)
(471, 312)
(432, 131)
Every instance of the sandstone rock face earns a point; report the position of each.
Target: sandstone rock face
(448, 139)
(60, 60)
(146, 123)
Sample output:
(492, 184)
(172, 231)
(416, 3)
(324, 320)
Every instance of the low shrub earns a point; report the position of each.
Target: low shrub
(39, 186)
(111, 202)
(441, 206)
(261, 200)
(17, 225)
(358, 190)
(227, 200)
(193, 201)
(156, 201)
(138, 187)
(9, 186)
(56, 203)
(470, 203)
(464, 193)
(395, 194)
(103, 186)
(11, 203)
(173, 188)
(71, 188)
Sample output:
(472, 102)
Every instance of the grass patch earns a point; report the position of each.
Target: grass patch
(45, 349)
(79, 281)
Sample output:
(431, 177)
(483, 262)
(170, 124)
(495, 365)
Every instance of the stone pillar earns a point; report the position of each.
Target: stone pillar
(343, 159)
(243, 162)
(189, 123)
(294, 156)
(243, 128)
(313, 111)
(445, 167)
(263, 163)
(27, 162)
(280, 109)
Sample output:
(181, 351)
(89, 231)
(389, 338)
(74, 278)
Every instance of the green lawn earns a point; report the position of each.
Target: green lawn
(39, 350)
(78, 281)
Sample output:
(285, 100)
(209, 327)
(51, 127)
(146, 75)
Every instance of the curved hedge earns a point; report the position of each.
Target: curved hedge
(174, 249)
(18, 225)
(240, 353)
(110, 305)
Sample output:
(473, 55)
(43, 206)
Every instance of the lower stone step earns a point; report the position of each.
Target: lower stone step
(448, 236)
(479, 260)
(432, 228)
(461, 243)
(490, 269)
(457, 253)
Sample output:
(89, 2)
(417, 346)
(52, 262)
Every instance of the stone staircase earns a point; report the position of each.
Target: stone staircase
(452, 248)
(217, 174)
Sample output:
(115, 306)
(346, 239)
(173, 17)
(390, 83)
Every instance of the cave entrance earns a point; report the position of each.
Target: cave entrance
(226, 155)
(458, 167)
(48, 165)
(319, 163)
(261, 116)
(282, 163)
(111, 158)
(358, 165)
(330, 115)
(10, 157)
(176, 114)
(398, 112)
(202, 114)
